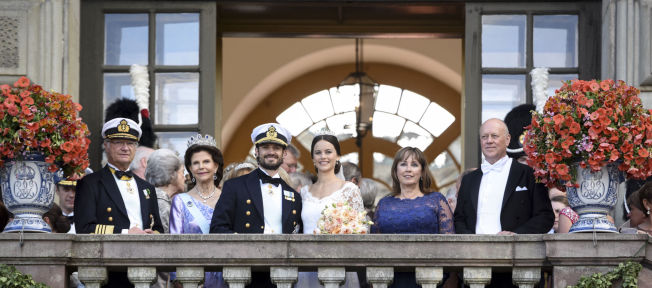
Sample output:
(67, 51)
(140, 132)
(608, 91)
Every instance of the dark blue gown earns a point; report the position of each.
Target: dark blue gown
(428, 214)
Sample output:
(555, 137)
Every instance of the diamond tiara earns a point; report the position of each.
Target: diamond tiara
(324, 131)
(206, 140)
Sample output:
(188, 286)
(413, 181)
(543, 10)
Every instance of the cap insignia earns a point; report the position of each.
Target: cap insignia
(271, 132)
(123, 126)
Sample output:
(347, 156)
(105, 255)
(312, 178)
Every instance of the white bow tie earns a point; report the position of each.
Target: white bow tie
(486, 167)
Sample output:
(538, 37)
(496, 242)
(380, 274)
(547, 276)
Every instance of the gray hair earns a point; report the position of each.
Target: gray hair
(369, 190)
(292, 149)
(351, 171)
(162, 167)
(299, 179)
(141, 152)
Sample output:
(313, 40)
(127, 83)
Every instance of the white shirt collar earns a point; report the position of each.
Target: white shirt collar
(497, 166)
(265, 172)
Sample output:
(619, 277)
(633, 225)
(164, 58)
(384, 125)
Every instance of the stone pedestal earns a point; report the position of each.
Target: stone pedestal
(331, 277)
(284, 277)
(190, 276)
(93, 277)
(526, 277)
(429, 277)
(141, 277)
(477, 277)
(380, 277)
(237, 277)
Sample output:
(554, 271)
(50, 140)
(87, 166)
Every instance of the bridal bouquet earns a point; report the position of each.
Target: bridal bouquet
(341, 218)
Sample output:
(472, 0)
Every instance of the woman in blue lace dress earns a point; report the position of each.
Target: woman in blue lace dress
(413, 208)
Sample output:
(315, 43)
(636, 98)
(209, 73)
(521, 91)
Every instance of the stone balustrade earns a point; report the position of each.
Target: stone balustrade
(50, 257)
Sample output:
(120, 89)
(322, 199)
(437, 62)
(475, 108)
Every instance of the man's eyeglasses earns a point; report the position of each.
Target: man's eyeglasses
(130, 144)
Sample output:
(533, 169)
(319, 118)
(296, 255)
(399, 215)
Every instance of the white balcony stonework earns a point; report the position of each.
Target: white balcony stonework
(48, 257)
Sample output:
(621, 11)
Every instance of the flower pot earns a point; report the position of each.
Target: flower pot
(594, 198)
(28, 192)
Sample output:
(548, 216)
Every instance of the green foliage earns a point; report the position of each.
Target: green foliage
(628, 272)
(12, 278)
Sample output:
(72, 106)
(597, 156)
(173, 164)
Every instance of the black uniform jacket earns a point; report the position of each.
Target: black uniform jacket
(240, 207)
(99, 207)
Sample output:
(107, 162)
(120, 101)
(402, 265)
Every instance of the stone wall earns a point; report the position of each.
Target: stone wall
(568, 256)
(40, 39)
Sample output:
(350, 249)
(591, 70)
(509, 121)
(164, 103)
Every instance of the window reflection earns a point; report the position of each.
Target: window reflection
(177, 98)
(414, 136)
(117, 85)
(555, 81)
(395, 118)
(383, 168)
(555, 40)
(388, 98)
(123, 39)
(318, 105)
(500, 93)
(177, 38)
(503, 40)
(412, 106)
(175, 141)
(443, 169)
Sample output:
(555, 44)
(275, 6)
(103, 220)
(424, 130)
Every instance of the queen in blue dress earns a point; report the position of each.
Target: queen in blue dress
(191, 212)
(412, 208)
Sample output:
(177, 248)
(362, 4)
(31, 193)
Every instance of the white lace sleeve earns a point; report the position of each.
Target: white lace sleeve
(351, 194)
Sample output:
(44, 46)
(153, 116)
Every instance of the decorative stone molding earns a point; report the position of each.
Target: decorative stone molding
(331, 277)
(237, 277)
(429, 277)
(477, 277)
(190, 276)
(526, 277)
(93, 277)
(141, 277)
(13, 37)
(284, 277)
(380, 277)
(40, 39)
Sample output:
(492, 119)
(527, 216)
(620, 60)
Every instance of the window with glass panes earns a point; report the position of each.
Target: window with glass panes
(165, 38)
(505, 41)
(514, 44)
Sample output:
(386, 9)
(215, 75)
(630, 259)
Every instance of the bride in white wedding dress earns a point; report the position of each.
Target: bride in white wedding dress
(329, 189)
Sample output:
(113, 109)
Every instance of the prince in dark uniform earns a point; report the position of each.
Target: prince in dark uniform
(260, 202)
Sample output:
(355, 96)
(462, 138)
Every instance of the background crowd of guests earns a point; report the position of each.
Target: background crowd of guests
(147, 191)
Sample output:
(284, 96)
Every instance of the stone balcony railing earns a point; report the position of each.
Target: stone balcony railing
(51, 257)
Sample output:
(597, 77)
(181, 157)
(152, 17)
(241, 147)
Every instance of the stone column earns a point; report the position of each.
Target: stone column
(237, 277)
(429, 277)
(477, 277)
(526, 277)
(190, 276)
(331, 277)
(284, 277)
(380, 277)
(93, 277)
(141, 277)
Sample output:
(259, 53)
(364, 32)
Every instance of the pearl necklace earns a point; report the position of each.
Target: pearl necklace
(205, 198)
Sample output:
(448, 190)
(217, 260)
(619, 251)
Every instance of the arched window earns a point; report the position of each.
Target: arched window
(401, 116)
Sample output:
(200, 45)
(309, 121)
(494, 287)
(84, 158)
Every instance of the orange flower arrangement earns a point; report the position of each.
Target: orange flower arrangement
(34, 121)
(590, 124)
